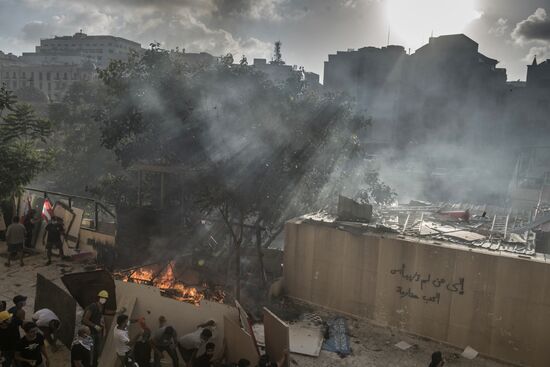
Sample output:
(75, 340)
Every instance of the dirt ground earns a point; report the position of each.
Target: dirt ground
(374, 346)
(371, 345)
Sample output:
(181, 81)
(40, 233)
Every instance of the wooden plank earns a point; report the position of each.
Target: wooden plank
(238, 344)
(277, 336)
(108, 356)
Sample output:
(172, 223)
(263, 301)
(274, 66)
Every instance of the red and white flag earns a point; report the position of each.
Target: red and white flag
(47, 210)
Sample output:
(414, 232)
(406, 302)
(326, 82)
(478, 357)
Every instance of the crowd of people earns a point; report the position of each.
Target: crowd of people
(19, 236)
(23, 340)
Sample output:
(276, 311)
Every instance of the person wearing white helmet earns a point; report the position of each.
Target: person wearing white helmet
(93, 318)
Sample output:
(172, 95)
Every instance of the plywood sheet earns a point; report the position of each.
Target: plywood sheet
(238, 343)
(304, 339)
(108, 355)
(184, 317)
(49, 295)
(85, 286)
(277, 336)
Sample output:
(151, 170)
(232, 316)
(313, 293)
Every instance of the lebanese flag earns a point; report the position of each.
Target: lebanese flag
(47, 210)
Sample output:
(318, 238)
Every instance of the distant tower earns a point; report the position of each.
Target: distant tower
(534, 62)
(277, 54)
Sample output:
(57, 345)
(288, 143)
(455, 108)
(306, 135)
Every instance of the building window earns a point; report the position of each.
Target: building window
(32, 75)
(7, 75)
(74, 76)
(31, 83)
(48, 75)
(56, 76)
(39, 75)
(64, 76)
(23, 75)
(14, 75)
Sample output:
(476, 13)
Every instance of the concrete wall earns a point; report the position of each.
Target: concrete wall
(498, 305)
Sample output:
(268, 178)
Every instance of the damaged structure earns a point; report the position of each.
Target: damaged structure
(454, 274)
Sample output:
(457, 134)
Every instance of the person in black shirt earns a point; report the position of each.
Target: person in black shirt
(93, 318)
(55, 232)
(30, 351)
(81, 349)
(205, 360)
(9, 335)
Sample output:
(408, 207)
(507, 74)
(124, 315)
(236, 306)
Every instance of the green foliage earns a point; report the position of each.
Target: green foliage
(22, 150)
(80, 159)
(258, 152)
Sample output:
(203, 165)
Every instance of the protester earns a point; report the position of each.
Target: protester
(81, 348)
(49, 324)
(142, 347)
(191, 345)
(17, 310)
(55, 233)
(30, 351)
(205, 360)
(437, 360)
(9, 335)
(93, 318)
(15, 238)
(122, 340)
(28, 222)
(162, 321)
(165, 340)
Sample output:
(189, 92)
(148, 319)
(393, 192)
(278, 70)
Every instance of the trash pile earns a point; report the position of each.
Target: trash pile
(488, 227)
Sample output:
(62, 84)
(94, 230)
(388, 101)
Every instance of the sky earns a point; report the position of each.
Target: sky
(511, 31)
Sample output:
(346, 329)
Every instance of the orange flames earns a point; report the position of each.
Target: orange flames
(167, 282)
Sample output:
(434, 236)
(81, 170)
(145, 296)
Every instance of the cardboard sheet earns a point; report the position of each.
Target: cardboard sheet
(238, 344)
(49, 295)
(304, 339)
(277, 336)
(108, 355)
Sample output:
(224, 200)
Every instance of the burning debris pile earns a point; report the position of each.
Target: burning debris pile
(163, 277)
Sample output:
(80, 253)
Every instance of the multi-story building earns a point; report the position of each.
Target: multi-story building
(445, 85)
(51, 80)
(80, 48)
(61, 61)
(373, 77)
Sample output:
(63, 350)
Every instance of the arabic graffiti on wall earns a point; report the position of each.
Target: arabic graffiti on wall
(427, 283)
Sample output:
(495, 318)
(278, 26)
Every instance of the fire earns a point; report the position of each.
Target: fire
(166, 281)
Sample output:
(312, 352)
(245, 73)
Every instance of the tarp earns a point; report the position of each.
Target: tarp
(338, 341)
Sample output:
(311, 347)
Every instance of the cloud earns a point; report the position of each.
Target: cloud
(269, 10)
(535, 28)
(188, 24)
(540, 52)
(499, 28)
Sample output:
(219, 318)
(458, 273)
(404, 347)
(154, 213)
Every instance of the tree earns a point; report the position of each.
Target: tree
(22, 150)
(257, 154)
(81, 162)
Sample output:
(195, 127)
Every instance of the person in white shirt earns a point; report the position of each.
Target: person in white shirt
(192, 344)
(48, 323)
(121, 339)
